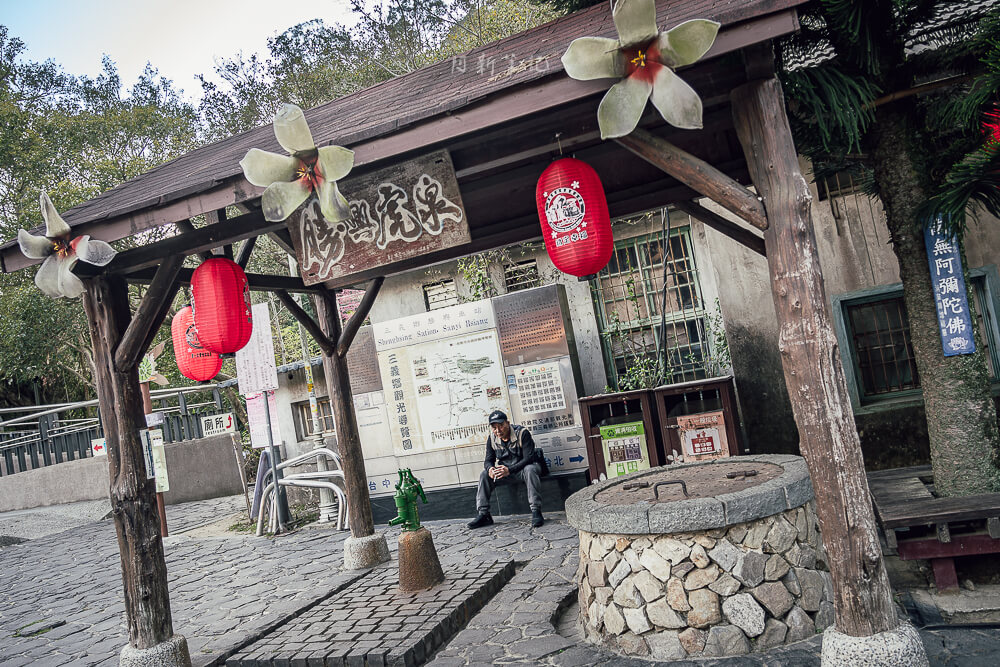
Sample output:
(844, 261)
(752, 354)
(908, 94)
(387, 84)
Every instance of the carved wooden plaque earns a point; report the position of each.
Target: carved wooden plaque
(399, 212)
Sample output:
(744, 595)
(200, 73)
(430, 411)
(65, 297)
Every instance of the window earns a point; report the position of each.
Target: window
(628, 295)
(874, 336)
(303, 417)
(521, 275)
(440, 295)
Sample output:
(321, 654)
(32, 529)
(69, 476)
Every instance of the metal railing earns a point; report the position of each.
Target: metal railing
(42, 436)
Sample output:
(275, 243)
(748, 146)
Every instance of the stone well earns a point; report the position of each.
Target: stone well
(736, 566)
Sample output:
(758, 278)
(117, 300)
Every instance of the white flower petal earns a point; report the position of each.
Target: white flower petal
(687, 42)
(262, 168)
(93, 251)
(291, 129)
(281, 199)
(47, 278)
(54, 224)
(69, 285)
(332, 204)
(677, 102)
(622, 107)
(593, 58)
(635, 21)
(335, 162)
(34, 247)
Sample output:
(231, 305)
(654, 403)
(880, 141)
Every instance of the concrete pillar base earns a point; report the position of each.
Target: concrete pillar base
(361, 553)
(171, 653)
(419, 566)
(900, 647)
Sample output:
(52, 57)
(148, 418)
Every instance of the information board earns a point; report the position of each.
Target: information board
(703, 435)
(625, 448)
(255, 365)
(257, 418)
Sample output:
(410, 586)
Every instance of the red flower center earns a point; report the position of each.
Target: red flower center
(643, 61)
(309, 171)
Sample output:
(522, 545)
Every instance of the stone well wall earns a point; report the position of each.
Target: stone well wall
(732, 590)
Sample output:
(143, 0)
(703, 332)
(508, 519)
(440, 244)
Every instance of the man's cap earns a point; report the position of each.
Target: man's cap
(498, 417)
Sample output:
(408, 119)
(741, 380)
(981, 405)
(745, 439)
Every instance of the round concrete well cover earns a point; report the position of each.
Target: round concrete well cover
(701, 481)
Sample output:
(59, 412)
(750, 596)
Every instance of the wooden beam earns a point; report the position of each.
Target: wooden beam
(133, 497)
(696, 174)
(353, 324)
(214, 218)
(187, 227)
(284, 240)
(188, 243)
(245, 251)
(345, 422)
(307, 322)
(828, 436)
(723, 226)
(258, 282)
(150, 314)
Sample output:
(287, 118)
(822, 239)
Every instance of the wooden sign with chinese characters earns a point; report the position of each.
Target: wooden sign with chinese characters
(950, 296)
(398, 213)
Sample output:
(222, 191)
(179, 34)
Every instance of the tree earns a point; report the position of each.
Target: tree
(863, 107)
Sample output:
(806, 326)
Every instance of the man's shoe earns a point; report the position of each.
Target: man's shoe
(536, 518)
(481, 520)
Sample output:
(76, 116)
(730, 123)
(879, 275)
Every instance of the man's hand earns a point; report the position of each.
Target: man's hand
(499, 472)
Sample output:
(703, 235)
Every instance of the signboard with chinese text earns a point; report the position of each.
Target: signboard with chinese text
(543, 395)
(217, 424)
(397, 213)
(155, 458)
(950, 295)
(703, 435)
(256, 369)
(257, 418)
(625, 448)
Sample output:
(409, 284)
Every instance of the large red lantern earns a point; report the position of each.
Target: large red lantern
(193, 360)
(574, 216)
(220, 298)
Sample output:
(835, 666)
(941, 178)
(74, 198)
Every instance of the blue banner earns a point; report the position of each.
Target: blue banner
(948, 281)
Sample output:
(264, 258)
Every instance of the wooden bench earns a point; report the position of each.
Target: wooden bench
(919, 526)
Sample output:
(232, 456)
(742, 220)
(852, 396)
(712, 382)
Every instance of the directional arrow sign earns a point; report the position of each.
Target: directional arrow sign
(574, 438)
(575, 459)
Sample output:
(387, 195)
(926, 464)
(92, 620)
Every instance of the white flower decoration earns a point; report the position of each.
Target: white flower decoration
(291, 179)
(646, 58)
(55, 278)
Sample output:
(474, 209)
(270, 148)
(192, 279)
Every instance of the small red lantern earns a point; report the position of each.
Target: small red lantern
(574, 216)
(220, 298)
(193, 361)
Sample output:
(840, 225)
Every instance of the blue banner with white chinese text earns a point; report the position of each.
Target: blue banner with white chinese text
(948, 281)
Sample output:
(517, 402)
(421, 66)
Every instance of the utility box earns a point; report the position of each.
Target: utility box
(699, 419)
(622, 433)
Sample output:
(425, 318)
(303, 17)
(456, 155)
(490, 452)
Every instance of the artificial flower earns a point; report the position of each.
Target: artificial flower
(646, 58)
(55, 278)
(291, 179)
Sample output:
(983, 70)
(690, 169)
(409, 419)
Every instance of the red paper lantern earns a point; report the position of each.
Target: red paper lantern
(193, 360)
(221, 303)
(574, 216)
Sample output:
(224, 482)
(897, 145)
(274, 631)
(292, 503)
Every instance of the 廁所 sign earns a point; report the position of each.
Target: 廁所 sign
(217, 425)
(397, 213)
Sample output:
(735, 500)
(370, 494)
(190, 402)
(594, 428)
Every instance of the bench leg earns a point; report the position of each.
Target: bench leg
(945, 577)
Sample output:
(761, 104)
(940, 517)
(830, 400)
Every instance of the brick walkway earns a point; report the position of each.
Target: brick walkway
(227, 592)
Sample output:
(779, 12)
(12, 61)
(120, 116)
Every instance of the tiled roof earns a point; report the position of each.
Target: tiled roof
(394, 104)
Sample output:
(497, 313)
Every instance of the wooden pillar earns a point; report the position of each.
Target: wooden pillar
(828, 436)
(133, 497)
(346, 423)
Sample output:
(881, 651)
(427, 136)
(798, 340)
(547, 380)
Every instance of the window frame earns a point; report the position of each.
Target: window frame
(907, 397)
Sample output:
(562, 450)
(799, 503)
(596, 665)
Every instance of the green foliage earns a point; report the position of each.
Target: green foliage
(833, 104)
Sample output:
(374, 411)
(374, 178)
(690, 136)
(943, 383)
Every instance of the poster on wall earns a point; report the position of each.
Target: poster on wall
(543, 395)
(257, 418)
(624, 448)
(703, 435)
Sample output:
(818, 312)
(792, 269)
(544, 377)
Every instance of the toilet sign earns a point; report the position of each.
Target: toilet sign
(217, 425)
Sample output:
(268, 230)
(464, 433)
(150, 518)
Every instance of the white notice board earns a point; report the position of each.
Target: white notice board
(258, 420)
(255, 365)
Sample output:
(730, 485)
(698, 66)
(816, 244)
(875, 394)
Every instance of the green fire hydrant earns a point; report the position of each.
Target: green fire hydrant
(407, 490)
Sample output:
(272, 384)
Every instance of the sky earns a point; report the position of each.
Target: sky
(181, 38)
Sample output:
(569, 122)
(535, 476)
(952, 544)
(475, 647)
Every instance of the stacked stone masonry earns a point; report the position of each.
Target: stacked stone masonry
(726, 591)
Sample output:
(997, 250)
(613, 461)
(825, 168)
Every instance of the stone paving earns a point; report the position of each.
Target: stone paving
(229, 591)
(372, 622)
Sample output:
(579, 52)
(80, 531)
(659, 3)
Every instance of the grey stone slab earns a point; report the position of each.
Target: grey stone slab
(753, 503)
(686, 515)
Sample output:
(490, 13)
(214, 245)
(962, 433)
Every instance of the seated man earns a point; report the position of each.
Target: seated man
(509, 455)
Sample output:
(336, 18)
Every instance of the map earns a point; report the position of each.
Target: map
(441, 392)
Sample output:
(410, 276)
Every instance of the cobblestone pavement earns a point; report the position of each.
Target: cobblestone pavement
(38, 522)
(227, 591)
